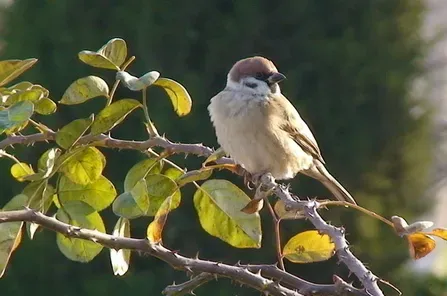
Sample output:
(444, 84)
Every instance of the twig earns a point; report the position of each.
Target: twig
(276, 223)
(189, 286)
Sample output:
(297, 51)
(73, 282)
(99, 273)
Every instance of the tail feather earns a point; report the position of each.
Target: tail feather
(319, 172)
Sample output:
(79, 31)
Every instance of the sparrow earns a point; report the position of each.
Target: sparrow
(258, 127)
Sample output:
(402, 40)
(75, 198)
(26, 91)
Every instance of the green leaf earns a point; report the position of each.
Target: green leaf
(309, 246)
(45, 106)
(111, 56)
(15, 115)
(85, 89)
(98, 194)
(67, 136)
(78, 213)
(21, 86)
(84, 166)
(42, 205)
(134, 203)
(47, 161)
(173, 173)
(21, 170)
(10, 233)
(218, 204)
(112, 115)
(115, 50)
(120, 258)
(27, 95)
(160, 187)
(10, 69)
(35, 191)
(45, 91)
(195, 175)
(181, 101)
(140, 170)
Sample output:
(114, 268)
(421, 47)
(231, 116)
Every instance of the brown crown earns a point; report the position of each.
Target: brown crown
(250, 67)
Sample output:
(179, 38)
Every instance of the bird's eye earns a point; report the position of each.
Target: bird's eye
(258, 75)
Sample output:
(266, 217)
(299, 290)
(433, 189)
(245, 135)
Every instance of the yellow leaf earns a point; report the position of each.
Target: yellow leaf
(21, 170)
(99, 194)
(45, 106)
(180, 99)
(155, 229)
(218, 204)
(420, 245)
(120, 258)
(309, 246)
(111, 56)
(112, 115)
(85, 89)
(115, 50)
(84, 166)
(10, 69)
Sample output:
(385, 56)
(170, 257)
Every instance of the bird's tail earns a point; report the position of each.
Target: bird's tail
(319, 172)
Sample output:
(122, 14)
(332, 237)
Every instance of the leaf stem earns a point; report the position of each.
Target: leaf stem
(149, 125)
(117, 82)
(276, 226)
(358, 208)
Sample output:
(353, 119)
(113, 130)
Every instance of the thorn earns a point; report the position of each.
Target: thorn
(197, 255)
(238, 263)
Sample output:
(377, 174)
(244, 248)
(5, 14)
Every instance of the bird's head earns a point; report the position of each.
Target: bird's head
(255, 75)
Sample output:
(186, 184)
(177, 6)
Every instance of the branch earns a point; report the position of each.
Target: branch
(238, 274)
(265, 278)
(189, 286)
(109, 142)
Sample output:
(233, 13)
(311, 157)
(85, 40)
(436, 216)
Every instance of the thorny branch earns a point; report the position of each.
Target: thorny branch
(265, 278)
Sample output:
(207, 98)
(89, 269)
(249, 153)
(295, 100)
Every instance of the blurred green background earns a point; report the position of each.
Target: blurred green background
(350, 66)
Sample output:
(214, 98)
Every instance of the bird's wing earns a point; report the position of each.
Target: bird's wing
(297, 128)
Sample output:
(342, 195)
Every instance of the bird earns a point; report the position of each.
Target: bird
(261, 130)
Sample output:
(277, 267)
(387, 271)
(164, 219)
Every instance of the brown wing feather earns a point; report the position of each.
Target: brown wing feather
(298, 129)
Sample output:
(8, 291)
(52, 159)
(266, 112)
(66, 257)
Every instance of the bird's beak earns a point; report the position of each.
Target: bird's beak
(276, 77)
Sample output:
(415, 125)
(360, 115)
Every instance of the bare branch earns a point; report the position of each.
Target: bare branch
(109, 142)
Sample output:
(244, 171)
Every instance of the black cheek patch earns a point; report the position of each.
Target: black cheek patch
(251, 85)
